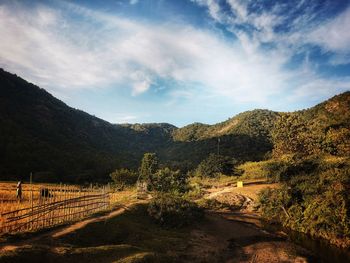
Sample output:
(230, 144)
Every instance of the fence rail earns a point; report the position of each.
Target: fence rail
(63, 204)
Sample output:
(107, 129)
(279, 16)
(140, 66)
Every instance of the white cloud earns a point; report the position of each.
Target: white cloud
(318, 88)
(59, 53)
(121, 118)
(142, 82)
(213, 8)
(334, 35)
(133, 2)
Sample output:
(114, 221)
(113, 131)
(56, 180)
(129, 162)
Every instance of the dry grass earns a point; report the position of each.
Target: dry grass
(65, 203)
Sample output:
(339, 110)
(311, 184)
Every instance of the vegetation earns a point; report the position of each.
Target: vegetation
(174, 211)
(323, 129)
(42, 135)
(215, 165)
(169, 207)
(306, 151)
(148, 168)
(313, 200)
(310, 160)
(255, 124)
(168, 181)
(123, 178)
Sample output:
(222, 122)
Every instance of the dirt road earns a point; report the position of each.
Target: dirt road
(238, 236)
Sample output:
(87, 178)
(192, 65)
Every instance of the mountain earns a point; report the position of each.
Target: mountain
(256, 123)
(43, 135)
(322, 129)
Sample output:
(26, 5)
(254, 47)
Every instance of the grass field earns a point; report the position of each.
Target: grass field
(61, 204)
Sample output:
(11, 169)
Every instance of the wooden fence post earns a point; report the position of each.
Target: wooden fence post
(31, 200)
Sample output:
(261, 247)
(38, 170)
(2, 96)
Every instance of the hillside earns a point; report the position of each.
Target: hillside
(322, 129)
(43, 135)
(40, 133)
(255, 123)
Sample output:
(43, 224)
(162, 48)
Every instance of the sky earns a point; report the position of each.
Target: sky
(179, 61)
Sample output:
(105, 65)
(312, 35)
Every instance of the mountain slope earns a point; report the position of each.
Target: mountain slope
(256, 123)
(322, 129)
(41, 134)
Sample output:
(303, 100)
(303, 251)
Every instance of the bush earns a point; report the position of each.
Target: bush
(174, 211)
(166, 180)
(316, 202)
(123, 177)
(214, 165)
(194, 192)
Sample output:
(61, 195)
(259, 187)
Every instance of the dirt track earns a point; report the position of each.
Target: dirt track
(237, 236)
(67, 229)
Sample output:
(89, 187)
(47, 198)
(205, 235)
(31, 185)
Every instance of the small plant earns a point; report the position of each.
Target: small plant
(174, 211)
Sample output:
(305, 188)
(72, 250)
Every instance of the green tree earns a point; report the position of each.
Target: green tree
(290, 135)
(215, 164)
(149, 166)
(123, 177)
(166, 180)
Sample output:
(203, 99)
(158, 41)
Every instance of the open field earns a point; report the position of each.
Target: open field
(46, 205)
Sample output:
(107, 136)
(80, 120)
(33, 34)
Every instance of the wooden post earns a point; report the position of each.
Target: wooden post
(31, 200)
(60, 219)
(69, 203)
(65, 203)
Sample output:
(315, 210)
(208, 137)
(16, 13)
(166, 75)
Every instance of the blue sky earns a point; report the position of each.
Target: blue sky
(179, 61)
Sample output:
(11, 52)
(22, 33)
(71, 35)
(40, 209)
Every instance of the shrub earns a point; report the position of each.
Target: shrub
(194, 192)
(174, 211)
(214, 165)
(124, 177)
(166, 180)
(316, 202)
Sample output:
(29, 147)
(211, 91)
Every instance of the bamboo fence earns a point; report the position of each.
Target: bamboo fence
(61, 204)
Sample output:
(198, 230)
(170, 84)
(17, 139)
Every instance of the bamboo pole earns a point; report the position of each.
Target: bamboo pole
(31, 198)
(65, 204)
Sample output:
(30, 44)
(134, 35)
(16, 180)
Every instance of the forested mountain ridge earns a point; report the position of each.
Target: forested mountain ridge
(255, 123)
(322, 129)
(43, 135)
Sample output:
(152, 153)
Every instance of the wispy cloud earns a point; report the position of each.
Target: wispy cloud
(60, 52)
(303, 23)
(287, 29)
(56, 52)
(334, 35)
(133, 2)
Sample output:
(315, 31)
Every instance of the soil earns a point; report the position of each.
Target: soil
(238, 236)
(67, 229)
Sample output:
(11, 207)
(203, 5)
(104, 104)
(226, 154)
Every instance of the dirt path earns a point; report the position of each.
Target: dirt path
(68, 229)
(238, 236)
(214, 192)
(221, 240)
